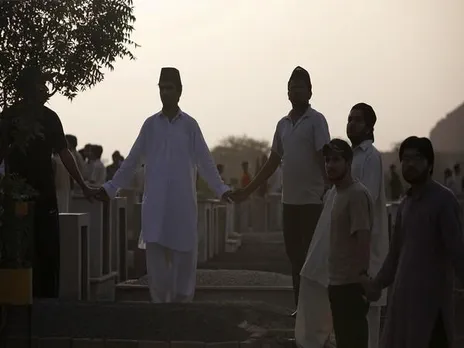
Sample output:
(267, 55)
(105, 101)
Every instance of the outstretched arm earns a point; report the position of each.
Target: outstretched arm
(206, 166)
(269, 167)
(123, 176)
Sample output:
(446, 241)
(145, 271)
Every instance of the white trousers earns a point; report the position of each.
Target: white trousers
(63, 198)
(373, 318)
(314, 319)
(171, 273)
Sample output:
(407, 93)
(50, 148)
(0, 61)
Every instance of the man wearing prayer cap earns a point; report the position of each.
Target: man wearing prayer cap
(314, 322)
(297, 144)
(172, 148)
(426, 252)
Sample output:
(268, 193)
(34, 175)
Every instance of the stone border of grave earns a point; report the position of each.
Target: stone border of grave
(275, 295)
(67, 342)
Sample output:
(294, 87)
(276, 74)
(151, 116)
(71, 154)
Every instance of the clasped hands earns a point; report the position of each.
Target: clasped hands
(372, 290)
(236, 196)
(97, 193)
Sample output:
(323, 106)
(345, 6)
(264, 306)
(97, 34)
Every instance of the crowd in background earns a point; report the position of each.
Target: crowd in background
(95, 173)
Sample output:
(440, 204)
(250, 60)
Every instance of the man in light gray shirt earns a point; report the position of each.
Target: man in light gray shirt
(298, 142)
(351, 225)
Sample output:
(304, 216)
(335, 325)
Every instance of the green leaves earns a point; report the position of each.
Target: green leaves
(72, 40)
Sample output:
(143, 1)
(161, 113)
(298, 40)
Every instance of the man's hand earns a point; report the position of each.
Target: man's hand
(239, 195)
(102, 195)
(371, 289)
(226, 197)
(90, 192)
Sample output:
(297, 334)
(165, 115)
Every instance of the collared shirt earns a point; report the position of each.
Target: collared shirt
(297, 144)
(367, 167)
(172, 151)
(97, 172)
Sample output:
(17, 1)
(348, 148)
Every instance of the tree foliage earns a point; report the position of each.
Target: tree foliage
(72, 41)
(244, 143)
(233, 150)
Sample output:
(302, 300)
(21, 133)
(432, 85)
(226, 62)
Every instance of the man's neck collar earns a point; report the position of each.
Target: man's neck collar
(344, 183)
(363, 145)
(417, 190)
(297, 113)
(172, 113)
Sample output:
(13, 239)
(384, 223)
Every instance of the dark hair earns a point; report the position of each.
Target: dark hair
(29, 76)
(422, 145)
(338, 146)
(370, 118)
(97, 150)
(220, 167)
(457, 166)
(72, 141)
(448, 172)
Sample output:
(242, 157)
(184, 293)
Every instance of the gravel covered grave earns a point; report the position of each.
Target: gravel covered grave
(225, 277)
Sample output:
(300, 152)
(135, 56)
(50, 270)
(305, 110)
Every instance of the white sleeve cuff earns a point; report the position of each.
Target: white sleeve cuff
(110, 189)
(222, 189)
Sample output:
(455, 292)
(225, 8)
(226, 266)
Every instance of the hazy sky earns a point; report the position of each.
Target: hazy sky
(405, 58)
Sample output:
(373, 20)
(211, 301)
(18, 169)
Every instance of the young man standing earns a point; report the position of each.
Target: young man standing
(352, 220)
(426, 252)
(35, 166)
(97, 170)
(297, 144)
(367, 167)
(172, 147)
(314, 324)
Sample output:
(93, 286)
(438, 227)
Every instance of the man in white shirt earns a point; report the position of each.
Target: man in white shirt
(298, 142)
(97, 170)
(72, 144)
(313, 324)
(172, 148)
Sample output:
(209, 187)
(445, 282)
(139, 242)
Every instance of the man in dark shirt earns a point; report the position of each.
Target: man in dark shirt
(34, 165)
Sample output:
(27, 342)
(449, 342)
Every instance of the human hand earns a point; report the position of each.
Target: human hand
(102, 196)
(90, 192)
(372, 291)
(226, 197)
(239, 195)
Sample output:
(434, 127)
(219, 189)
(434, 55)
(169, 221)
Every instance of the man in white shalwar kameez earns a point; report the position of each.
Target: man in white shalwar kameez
(314, 324)
(172, 147)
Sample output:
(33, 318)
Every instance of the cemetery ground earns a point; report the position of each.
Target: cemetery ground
(242, 312)
(243, 298)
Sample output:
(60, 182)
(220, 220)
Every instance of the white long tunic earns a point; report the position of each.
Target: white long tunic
(172, 152)
(367, 168)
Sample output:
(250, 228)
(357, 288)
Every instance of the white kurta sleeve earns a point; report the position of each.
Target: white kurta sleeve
(206, 166)
(372, 175)
(123, 176)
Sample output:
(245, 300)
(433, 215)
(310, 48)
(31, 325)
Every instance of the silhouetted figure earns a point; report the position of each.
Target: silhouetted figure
(35, 166)
(396, 187)
(426, 253)
(113, 167)
(97, 170)
(458, 179)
